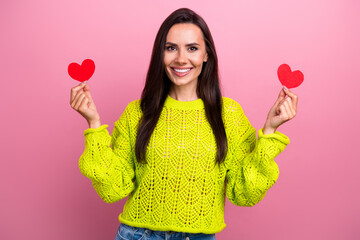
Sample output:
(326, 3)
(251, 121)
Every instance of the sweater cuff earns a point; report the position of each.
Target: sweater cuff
(91, 130)
(277, 135)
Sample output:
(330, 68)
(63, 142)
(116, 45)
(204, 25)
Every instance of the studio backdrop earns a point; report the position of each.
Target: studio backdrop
(45, 196)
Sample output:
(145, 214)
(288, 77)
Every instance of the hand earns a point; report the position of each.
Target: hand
(284, 109)
(82, 102)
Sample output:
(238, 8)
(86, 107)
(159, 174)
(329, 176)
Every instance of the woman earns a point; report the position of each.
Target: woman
(178, 150)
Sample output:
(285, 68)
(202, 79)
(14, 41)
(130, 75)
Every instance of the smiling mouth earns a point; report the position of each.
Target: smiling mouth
(180, 72)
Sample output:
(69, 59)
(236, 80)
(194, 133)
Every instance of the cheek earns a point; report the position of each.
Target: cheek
(198, 64)
(166, 60)
(169, 57)
(198, 60)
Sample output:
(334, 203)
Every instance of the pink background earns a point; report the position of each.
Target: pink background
(44, 195)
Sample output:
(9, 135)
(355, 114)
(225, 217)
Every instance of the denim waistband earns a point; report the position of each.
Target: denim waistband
(148, 232)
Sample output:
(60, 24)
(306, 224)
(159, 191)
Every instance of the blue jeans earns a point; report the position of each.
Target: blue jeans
(126, 232)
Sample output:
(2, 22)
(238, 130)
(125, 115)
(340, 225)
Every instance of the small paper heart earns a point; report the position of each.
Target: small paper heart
(288, 78)
(82, 72)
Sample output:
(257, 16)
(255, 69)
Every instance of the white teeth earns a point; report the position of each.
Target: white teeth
(181, 70)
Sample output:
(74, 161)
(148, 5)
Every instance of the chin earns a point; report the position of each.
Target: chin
(181, 82)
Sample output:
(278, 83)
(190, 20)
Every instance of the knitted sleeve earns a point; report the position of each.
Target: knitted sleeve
(110, 168)
(252, 169)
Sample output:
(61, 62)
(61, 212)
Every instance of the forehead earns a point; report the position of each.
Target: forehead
(184, 33)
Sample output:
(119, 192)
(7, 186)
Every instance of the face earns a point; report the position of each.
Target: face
(184, 54)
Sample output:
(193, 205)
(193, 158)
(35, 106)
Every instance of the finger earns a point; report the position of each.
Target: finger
(281, 102)
(278, 111)
(88, 101)
(281, 96)
(291, 106)
(87, 92)
(78, 94)
(278, 106)
(75, 101)
(78, 102)
(75, 90)
(86, 87)
(294, 97)
(284, 114)
(84, 104)
(293, 100)
(288, 111)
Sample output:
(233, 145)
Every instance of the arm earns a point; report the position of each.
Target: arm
(110, 169)
(252, 168)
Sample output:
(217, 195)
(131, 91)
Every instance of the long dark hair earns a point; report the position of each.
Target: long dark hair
(158, 84)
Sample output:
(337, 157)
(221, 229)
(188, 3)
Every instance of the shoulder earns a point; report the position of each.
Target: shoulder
(235, 120)
(133, 106)
(230, 106)
(132, 111)
(130, 116)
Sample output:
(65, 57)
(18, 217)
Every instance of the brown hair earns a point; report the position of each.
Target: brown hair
(158, 84)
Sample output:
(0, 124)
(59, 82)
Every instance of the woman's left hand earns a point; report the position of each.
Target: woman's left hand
(283, 110)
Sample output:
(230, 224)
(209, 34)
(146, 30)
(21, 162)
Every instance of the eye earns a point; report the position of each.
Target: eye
(192, 49)
(170, 48)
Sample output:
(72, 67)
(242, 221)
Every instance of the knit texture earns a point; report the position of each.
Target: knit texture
(181, 188)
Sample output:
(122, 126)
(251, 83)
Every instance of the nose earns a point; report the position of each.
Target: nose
(181, 57)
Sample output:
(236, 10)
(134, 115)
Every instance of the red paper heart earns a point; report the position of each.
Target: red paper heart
(82, 73)
(288, 78)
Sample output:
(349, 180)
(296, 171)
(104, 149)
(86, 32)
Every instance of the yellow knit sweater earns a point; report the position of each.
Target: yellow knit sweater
(180, 188)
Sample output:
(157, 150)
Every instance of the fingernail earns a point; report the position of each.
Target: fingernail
(286, 89)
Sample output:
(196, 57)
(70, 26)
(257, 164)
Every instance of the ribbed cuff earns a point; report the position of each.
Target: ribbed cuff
(91, 130)
(277, 135)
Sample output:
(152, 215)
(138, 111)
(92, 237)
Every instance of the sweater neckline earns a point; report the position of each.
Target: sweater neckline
(173, 103)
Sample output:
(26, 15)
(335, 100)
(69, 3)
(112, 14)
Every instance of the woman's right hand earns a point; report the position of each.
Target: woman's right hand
(82, 102)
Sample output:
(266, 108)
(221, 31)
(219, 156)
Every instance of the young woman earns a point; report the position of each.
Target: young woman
(182, 147)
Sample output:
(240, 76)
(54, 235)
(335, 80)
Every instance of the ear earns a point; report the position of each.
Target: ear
(206, 57)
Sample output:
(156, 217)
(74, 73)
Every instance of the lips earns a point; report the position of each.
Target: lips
(181, 71)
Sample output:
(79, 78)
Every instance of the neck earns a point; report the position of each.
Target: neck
(183, 93)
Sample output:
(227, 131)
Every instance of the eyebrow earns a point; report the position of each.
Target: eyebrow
(189, 44)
